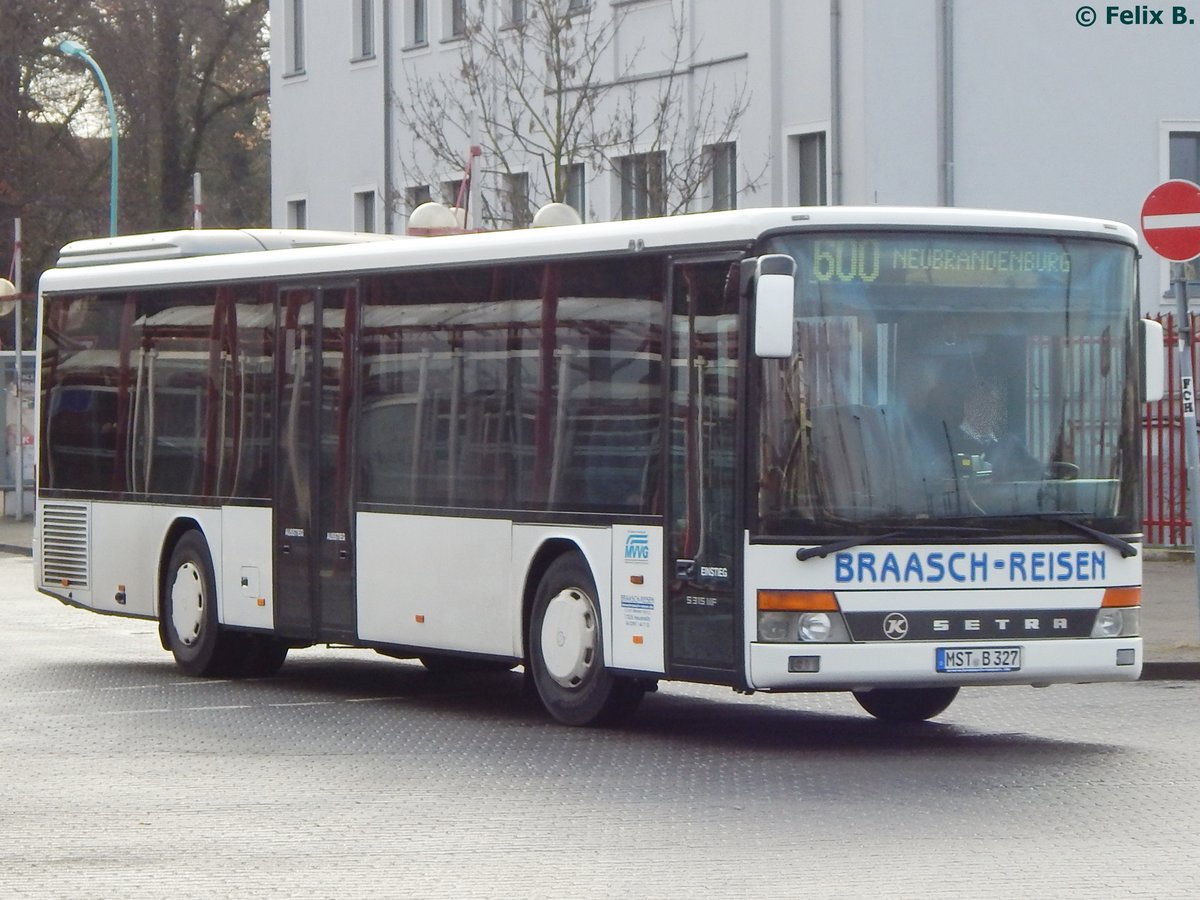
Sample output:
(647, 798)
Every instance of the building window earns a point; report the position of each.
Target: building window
(451, 191)
(364, 211)
(516, 12)
(364, 28)
(516, 199)
(808, 167)
(294, 52)
(297, 214)
(574, 195)
(416, 195)
(1184, 150)
(723, 159)
(458, 18)
(418, 23)
(573, 6)
(642, 185)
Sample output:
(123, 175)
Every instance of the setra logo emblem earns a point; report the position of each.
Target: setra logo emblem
(895, 627)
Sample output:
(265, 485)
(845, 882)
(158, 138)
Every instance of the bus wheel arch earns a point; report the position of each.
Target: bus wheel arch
(177, 530)
(564, 643)
(546, 554)
(188, 604)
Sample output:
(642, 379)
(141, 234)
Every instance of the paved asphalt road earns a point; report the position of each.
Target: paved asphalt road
(351, 775)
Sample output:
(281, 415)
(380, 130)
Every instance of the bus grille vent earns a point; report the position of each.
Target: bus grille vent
(64, 544)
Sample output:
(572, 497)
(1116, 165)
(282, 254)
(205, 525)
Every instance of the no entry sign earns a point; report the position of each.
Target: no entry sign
(1171, 220)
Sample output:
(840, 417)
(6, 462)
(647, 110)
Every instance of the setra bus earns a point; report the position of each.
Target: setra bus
(888, 451)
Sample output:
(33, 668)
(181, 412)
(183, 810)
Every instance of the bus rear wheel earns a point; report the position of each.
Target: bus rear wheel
(901, 705)
(260, 655)
(566, 651)
(190, 611)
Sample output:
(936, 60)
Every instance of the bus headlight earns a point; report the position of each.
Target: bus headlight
(1117, 622)
(776, 626)
(814, 627)
(810, 617)
(1120, 613)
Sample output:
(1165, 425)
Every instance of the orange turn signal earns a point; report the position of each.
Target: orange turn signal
(798, 601)
(1122, 596)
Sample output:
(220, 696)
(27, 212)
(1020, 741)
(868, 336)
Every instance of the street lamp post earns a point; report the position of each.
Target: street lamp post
(76, 49)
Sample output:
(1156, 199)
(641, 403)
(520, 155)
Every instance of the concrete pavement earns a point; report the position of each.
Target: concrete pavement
(1170, 608)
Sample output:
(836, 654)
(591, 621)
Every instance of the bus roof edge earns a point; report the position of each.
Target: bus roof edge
(129, 248)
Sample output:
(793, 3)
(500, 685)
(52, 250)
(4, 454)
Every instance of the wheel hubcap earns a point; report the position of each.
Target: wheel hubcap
(569, 637)
(187, 603)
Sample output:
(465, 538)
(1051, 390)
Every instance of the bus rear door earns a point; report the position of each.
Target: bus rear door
(316, 331)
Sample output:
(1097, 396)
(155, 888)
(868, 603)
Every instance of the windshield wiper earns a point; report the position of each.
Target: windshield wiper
(1125, 548)
(911, 531)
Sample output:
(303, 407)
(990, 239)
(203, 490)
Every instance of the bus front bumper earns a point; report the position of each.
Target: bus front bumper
(839, 667)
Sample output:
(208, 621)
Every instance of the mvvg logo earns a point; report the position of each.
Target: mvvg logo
(637, 547)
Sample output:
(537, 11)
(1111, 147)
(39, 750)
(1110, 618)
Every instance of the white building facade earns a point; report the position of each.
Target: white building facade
(1040, 105)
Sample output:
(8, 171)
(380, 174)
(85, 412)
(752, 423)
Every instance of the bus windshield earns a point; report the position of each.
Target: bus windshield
(951, 379)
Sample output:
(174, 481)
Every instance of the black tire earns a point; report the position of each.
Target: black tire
(189, 610)
(898, 706)
(259, 655)
(566, 651)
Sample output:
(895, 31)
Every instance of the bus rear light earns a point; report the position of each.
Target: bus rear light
(798, 601)
(1122, 596)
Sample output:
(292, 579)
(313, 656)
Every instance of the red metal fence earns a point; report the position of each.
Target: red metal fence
(1166, 522)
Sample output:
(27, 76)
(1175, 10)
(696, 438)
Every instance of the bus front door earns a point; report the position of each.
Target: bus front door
(704, 556)
(314, 525)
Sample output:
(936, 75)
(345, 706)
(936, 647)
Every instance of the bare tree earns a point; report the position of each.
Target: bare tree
(190, 82)
(524, 89)
(192, 79)
(532, 93)
(51, 179)
(674, 129)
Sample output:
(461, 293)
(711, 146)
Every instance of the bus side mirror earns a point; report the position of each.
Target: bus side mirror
(774, 293)
(1153, 361)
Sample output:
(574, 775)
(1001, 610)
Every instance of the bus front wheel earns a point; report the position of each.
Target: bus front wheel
(190, 610)
(566, 651)
(901, 705)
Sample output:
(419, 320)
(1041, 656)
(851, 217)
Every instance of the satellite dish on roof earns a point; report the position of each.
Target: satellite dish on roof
(431, 219)
(8, 291)
(556, 214)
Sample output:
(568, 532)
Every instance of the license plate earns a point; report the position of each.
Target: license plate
(978, 659)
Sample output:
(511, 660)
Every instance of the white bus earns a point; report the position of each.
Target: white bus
(888, 451)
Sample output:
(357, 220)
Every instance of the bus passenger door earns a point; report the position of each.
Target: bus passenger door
(704, 545)
(314, 488)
